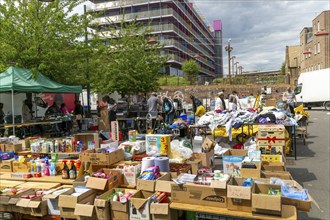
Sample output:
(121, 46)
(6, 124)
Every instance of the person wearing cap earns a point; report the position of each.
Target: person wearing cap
(220, 102)
(153, 104)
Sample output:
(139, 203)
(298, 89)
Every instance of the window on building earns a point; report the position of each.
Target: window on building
(318, 47)
(315, 49)
(318, 26)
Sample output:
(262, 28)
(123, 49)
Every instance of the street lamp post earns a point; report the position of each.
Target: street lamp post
(87, 72)
(232, 64)
(236, 67)
(228, 48)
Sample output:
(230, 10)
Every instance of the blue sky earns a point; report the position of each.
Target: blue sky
(261, 29)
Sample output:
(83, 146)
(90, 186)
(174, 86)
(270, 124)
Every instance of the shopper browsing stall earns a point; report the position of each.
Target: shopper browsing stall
(152, 104)
(290, 99)
(168, 109)
(220, 104)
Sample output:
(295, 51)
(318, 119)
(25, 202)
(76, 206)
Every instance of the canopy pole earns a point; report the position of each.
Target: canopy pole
(13, 110)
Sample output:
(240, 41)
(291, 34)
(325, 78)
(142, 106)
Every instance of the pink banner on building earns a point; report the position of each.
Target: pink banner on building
(217, 25)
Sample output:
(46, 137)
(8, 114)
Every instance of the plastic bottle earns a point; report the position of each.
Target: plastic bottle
(63, 147)
(78, 165)
(65, 171)
(33, 167)
(38, 166)
(79, 146)
(46, 169)
(43, 165)
(52, 168)
(73, 171)
(56, 146)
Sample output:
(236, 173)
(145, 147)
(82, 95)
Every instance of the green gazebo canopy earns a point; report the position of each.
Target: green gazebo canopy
(22, 80)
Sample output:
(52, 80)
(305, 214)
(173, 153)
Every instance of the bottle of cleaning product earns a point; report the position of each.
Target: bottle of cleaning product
(63, 147)
(78, 165)
(38, 166)
(79, 146)
(43, 165)
(73, 171)
(46, 168)
(52, 168)
(33, 167)
(65, 171)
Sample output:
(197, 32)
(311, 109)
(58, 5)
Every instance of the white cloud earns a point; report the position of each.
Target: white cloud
(260, 29)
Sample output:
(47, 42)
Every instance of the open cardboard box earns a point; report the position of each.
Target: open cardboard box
(207, 159)
(162, 211)
(199, 195)
(273, 166)
(139, 207)
(149, 185)
(232, 160)
(264, 203)
(6, 165)
(284, 175)
(67, 202)
(239, 196)
(195, 165)
(7, 202)
(85, 137)
(114, 181)
(52, 201)
(251, 172)
(85, 211)
(34, 207)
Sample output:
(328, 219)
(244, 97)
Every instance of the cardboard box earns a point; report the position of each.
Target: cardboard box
(21, 167)
(284, 175)
(273, 166)
(11, 147)
(239, 196)
(232, 161)
(273, 135)
(131, 173)
(164, 184)
(272, 158)
(302, 205)
(6, 165)
(149, 185)
(162, 211)
(251, 172)
(158, 144)
(102, 159)
(114, 180)
(80, 181)
(25, 143)
(139, 207)
(271, 149)
(85, 137)
(8, 201)
(67, 202)
(208, 144)
(52, 201)
(195, 165)
(34, 207)
(206, 158)
(85, 211)
(199, 195)
(264, 203)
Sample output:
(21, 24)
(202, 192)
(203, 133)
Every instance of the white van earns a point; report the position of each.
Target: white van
(313, 89)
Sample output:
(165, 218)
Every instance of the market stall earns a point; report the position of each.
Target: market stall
(19, 80)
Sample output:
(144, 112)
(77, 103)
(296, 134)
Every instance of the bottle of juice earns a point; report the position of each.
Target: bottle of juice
(73, 171)
(65, 171)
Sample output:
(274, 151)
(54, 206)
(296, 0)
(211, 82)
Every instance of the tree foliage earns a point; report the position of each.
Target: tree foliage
(130, 64)
(191, 70)
(283, 68)
(46, 37)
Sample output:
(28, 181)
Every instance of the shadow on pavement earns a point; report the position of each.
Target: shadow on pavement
(304, 215)
(301, 175)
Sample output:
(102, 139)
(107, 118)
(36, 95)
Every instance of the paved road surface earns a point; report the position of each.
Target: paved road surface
(311, 169)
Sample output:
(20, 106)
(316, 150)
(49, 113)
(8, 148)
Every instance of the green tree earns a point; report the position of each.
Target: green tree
(190, 69)
(46, 37)
(130, 64)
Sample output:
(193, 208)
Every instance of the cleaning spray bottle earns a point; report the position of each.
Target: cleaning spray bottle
(46, 168)
(52, 168)
(73, 171)
(38, 166)
(65, 170)
(78, 165)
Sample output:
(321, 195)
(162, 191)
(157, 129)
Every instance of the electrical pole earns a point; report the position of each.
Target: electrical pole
(87, 72)
(232, 64)
(228, 48)
(236, 67)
